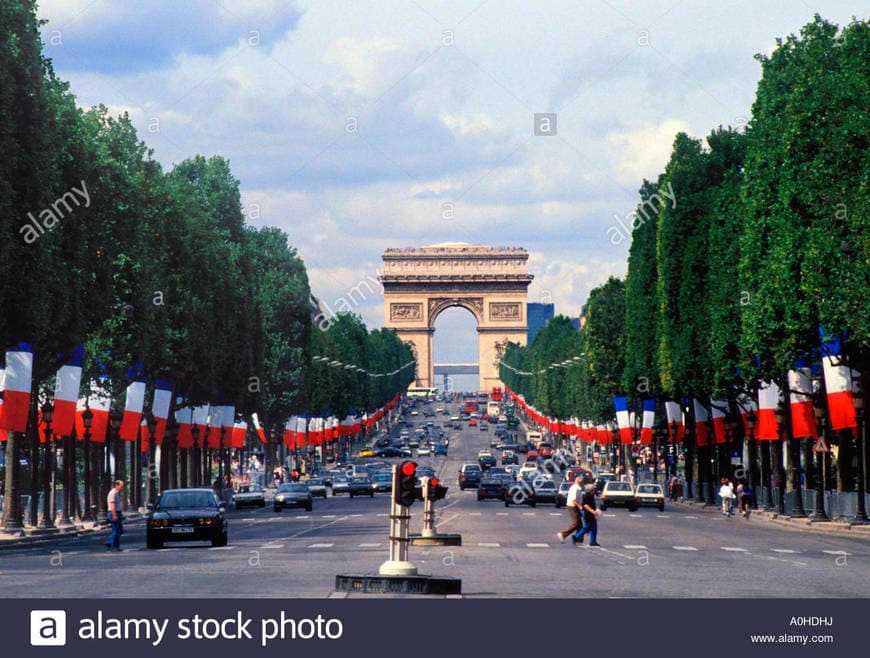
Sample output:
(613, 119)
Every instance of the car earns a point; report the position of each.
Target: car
(424, 451)
(382, 482)
(603, 478)
(650, 495)
(469, 476)
(367, 452)
(361, 486)
(415, 413)
(508, 457)
(414, 442)
(545, 490)
(484, 427)
(249, 494)
(425, 471)
(495, 471)
(293, 494)
(514, 471)
(588, 478)
(494, 442)
(441, 449)
(186, 515)
(545, 450)
(562, 493)
(532, 456)
(487, 461)
(618, 494)
(491, 488)
(520, 493)
(472, 422)
(340, 485)
(317, 487)
(528, 467)
(395, 452)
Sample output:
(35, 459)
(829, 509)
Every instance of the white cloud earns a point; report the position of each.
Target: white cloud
(643, 151)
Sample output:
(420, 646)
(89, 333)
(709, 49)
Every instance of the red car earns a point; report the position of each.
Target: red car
(472, 422)
(545, 451)
(532, 456)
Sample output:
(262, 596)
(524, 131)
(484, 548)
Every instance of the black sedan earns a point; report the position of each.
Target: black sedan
(520, 492)
(491, 488)
(293, 495)
(186, 515)
(361, 487)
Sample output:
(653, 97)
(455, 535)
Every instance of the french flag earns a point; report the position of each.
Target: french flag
(768, 401)
(100, 403)
(16, 392)
(160, 409)
(213, 420)
(746, 405)
(646, 430)
(238, 434)
(301, 437)
(184, 420)
(133, 411)
(315, 431)
(228, 422)
(838, 385)
(66, 393)
(290, 432)
(675, 415)
(803, 418)
(621, 405)
(260, 433)
(701, 417)
(718, 408)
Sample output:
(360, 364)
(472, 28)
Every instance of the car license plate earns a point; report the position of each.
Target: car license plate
(182, 530)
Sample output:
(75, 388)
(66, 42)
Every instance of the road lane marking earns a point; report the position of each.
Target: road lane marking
(783, 550)
(447, 520)
(685, 548)
(483, 544)
(634, 547)
(328, 516)
(736, 549)
(250, 520)
(272, 546)
(836, 552)
(369, 545)
(321, 545)
(555, 513)
(689, 516)
(475, 513)
(608, 514)
(355, 516)
(381, 514)
(221, 548)
(501, 513)
(537, 546)
(663, 516)
(528, 513)
(622, 555)
(635, 516)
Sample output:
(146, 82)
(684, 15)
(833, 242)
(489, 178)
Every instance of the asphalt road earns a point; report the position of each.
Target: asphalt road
(505, 552)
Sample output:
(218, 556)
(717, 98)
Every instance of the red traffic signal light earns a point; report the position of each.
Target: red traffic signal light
(405, 492)
(434, 490)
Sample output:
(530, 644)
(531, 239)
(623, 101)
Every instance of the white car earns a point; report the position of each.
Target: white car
(250, 494)
(317, 487)
(528, 467)
(424, 451)
(650, 495)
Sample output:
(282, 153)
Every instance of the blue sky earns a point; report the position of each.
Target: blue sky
(351, 124)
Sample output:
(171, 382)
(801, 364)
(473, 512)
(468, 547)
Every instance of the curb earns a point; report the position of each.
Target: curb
(35, 535)
(799, 524)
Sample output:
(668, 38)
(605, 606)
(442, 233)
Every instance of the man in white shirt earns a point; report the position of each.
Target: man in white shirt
(573, 505)
(113, 504)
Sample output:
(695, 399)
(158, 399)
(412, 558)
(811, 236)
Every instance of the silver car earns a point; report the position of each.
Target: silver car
(317, 487)
(340, 485)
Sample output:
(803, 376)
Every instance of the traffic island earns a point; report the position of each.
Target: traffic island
(404, 584)
(437, 540)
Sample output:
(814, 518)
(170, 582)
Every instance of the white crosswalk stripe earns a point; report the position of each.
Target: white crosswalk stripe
(501, 513)
(735, 549)
(375, 545)
(489, 545)
(634, 547)
(275, 546)
(537, 546)
(321, 545)
(685, 548)
(783, 550)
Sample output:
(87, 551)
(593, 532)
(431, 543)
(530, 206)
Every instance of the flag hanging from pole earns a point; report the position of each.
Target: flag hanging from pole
(768, 402)
(803, 416)
(838, 386)
(16, 392)
(66, 393)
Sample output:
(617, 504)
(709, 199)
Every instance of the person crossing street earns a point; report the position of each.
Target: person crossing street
(573, 505)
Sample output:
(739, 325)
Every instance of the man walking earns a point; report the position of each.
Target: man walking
(590, 517)
(113, 504)
(573, 505)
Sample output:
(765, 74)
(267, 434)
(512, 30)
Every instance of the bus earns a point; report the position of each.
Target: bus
(421, 391)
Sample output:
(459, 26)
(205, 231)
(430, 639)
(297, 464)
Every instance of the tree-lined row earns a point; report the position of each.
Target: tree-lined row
(155, 271)
(750, 256)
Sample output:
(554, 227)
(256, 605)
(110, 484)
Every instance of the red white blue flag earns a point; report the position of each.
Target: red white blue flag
(66, 393)
(646, 429)
(803, 417)
(838, 386)
(16, 391)
(622, 419)
(768, 402)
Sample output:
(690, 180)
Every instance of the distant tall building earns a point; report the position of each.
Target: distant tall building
(577, 323)
(538, 315)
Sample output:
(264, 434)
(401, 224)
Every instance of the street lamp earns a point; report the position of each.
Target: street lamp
(819, 504)
(195, 466)
(47, 520)
(861, 511)
(87, 420)
(708, 464)
(778, 473)
(151, 492)
(751, 422)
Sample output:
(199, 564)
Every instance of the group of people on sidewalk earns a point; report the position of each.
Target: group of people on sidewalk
(584, 514)
(741, 495)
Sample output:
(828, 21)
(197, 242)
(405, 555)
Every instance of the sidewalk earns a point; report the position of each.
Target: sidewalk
(33, 535)
(772, 519)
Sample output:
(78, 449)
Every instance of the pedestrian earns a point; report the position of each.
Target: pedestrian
(726, 493)
(573, 505)
(590, 517)
(745, 499)
(672, 487)
(113, 505)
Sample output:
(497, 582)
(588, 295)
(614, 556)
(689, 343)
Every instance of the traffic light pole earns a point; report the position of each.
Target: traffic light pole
(398, 563)
(429, 529)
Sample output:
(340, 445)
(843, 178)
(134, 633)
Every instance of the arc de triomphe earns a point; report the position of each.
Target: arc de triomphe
(490, 283)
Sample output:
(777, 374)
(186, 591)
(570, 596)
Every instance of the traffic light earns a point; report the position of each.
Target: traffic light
(435, 491)
(405, 493)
